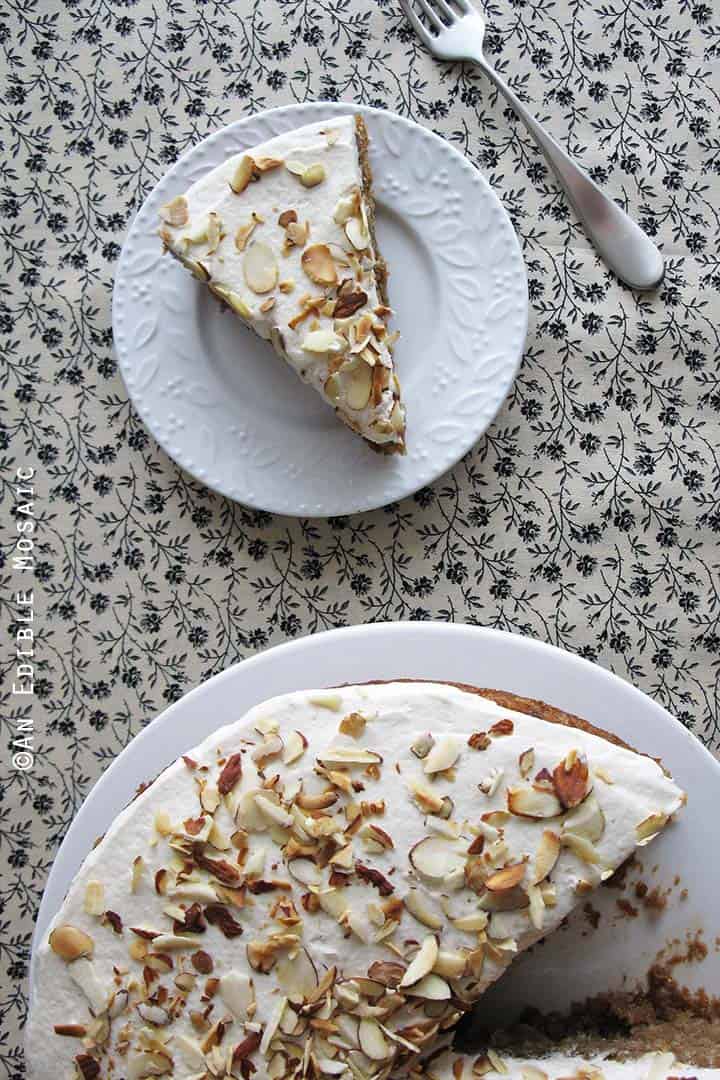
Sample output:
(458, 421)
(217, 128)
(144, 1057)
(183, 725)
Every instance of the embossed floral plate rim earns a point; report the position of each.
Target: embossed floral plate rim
(570, 963)
(311, 465)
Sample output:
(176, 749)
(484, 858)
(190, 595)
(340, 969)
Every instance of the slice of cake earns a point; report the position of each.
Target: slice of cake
(326, 886)
(284, 234)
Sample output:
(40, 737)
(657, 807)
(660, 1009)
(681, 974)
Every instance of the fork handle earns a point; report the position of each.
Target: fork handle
(626, 249)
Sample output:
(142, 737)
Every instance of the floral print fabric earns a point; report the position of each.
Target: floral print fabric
(588, 516)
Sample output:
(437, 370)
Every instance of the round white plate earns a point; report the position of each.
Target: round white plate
(224, 408)
(572, 963)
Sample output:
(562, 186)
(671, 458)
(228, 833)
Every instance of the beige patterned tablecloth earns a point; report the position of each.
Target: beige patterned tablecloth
(589, 514)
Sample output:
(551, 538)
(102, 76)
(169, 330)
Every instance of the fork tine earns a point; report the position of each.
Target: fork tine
(447, 11)
(419, 27)
(431, 15)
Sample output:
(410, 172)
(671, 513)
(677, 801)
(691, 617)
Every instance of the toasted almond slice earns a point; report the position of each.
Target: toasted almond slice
(319, 265)
(443, 755)
(546, 856)
(243, 174)
(270, 747)
(422, 745)
(526, 762)
(451, 963)
(260, 268)
(324, 341)
(297, 977)
(422, 963)
(175, 212)
(537, 906)
(372, 1041)
(584, 850)
(432, 987)
(70, 944)
(233, 300)
(94, 902)
(348, 206)
(472, 923)
(356, 234)
(273, 812)
(427, 798)
(531, 1072)
(356, 380)
(238, 994)
(245, 231)
(348, 755)
(295, 747)
(533, 801)
(313, 175)
(506, 878)
(571, 779)
(267, 164)
(83, 974)
(305, 871)
(418, 904)
(510, 900)
(586, 820)
(650, 827)
(436, 859)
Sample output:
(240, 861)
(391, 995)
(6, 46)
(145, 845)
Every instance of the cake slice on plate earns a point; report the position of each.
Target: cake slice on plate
(326, 886)
(284, 234)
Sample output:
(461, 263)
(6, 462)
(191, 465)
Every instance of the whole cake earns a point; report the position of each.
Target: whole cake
(283, 233)
(326, 886)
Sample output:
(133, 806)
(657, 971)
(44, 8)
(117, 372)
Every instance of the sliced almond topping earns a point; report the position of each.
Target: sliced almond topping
(435, 859)
(94, 902)
(260, 268)
(313, 175)
(270, 747)
(347, 207)
(296, 234)
(348, 755)
(295, 747)
(267, 164)
(650, 827)
(472, 923)
(243, 174)
(419, 905)
(533, 801)
(163, 824)
(319, 265)
(70, 944)
(233, 300)
(537, 906)
(324, 341)
(353, 724)
(356, 378)
(422, 746)
(268, 305)
(546, 856)
(526, 763)
(422, 963)
(586, 820)
(372, 1041)
(582, 847)
(175, 212)
(443, 755)
(505, 879)
(85, 977)
(431, 987)
(356, 233)
(571, 780)
(347, 304)
(244, 232)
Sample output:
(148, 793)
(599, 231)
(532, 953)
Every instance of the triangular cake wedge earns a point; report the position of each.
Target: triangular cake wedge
(284, 234)
(324, 887)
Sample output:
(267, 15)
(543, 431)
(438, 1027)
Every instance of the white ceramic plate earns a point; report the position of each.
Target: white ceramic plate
(571, 964)
(218, 403)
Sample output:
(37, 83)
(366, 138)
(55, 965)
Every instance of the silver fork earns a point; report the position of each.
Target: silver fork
(454, 30)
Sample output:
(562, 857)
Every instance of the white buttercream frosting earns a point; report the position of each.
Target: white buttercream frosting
(330, 146)
(488, 758)
(653, 1066)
